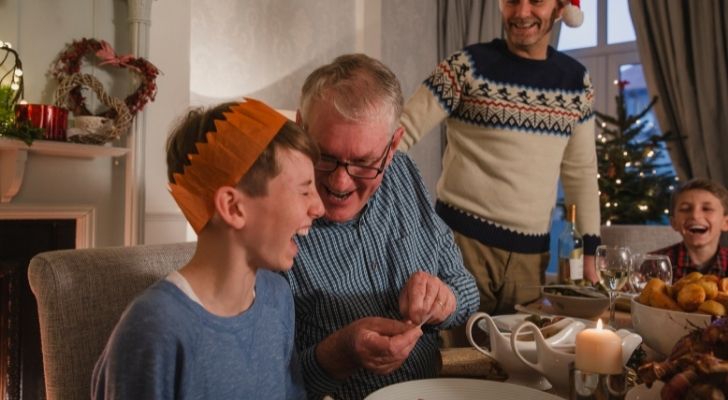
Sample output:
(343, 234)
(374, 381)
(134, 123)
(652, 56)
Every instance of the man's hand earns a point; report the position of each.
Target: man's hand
(426, 299)
(380, 345)
(590, 270)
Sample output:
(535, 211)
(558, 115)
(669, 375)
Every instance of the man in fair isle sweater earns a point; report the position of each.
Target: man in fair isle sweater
(519, 117)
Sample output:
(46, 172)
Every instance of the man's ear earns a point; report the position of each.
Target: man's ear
(724, 225)
(229, 206)
(299, 120)
(397, 137)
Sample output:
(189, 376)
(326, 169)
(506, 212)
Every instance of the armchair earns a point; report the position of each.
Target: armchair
(640, 238)
(81, 295)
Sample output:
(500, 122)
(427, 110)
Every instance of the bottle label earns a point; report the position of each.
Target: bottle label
(576, 268)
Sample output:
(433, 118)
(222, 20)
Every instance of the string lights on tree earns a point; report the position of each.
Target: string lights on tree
(635, 181)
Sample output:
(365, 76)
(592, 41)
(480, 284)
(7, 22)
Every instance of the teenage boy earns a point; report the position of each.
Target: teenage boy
(700, 214)
(222, 327)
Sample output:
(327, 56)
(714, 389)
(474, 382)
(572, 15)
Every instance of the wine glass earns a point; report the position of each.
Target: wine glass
(613, 267)
(648, 266)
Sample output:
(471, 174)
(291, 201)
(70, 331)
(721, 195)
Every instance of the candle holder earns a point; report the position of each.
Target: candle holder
(51, 119)
(586, 385)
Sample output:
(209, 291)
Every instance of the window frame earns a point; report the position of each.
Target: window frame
(603, 61)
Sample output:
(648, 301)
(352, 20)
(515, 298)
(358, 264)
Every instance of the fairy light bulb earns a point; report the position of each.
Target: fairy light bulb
(14, 86)
(18, 72)
(618, 181)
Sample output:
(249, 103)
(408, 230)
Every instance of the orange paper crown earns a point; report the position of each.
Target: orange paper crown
(230, 151)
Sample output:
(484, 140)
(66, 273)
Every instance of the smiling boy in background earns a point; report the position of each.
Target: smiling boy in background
(699, 212)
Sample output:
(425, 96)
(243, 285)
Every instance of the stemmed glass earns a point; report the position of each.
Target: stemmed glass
(613, 266)
(648, 266)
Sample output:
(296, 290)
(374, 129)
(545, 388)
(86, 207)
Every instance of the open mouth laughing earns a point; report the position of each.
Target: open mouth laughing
(337, 196)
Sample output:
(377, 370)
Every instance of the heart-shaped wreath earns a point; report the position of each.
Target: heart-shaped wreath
(69, 63)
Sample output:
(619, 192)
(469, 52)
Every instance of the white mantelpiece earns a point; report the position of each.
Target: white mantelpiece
(14, 156)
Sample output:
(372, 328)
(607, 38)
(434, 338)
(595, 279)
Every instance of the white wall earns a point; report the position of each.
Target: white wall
(208, 52)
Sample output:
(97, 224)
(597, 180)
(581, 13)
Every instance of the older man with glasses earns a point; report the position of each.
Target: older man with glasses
(379, 275)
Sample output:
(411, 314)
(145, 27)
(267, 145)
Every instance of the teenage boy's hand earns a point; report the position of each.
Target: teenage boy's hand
(379, 345)
(426, 299)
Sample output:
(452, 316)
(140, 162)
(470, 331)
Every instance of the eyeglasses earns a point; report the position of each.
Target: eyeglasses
(330, 164)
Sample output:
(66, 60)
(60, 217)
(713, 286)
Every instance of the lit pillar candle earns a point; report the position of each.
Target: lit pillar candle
(599, 351)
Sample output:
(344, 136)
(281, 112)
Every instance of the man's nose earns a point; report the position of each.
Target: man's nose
(523, 8)
(339, 178)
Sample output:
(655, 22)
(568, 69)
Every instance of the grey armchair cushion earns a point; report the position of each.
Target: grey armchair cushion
(81, 295)
(640, 238)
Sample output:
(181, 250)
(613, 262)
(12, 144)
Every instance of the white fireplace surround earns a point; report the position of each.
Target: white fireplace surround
(84, 215)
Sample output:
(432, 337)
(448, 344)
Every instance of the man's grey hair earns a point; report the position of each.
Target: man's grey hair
(359, 87)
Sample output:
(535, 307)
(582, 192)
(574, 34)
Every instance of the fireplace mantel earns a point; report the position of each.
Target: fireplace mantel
(14, 154)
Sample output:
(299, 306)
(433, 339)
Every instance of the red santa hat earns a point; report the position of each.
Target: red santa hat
(572, 15)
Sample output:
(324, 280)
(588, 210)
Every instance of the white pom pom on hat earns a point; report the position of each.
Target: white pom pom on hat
(572, 15)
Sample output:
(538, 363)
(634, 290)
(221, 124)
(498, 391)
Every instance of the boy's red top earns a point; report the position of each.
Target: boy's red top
(682, 265)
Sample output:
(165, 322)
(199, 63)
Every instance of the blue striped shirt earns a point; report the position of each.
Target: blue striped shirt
(347, 271)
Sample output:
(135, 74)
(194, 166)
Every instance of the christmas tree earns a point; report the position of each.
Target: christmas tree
(636, 177)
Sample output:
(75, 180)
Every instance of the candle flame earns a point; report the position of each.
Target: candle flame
(599, 324)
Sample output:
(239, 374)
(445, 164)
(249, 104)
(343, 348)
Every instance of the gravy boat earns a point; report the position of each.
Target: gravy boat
(553, 362)
(501, 348)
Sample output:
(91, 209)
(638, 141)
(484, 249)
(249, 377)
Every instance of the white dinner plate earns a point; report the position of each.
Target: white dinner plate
(455, 388)
(641, 392)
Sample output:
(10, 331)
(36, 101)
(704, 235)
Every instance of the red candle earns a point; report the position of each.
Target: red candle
(53, 120)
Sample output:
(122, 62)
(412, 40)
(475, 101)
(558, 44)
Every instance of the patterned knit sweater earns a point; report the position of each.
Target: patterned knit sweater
(514, 126)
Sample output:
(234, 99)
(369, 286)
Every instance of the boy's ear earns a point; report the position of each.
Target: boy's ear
(299, 120)
(724, 226)
(229, 206)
